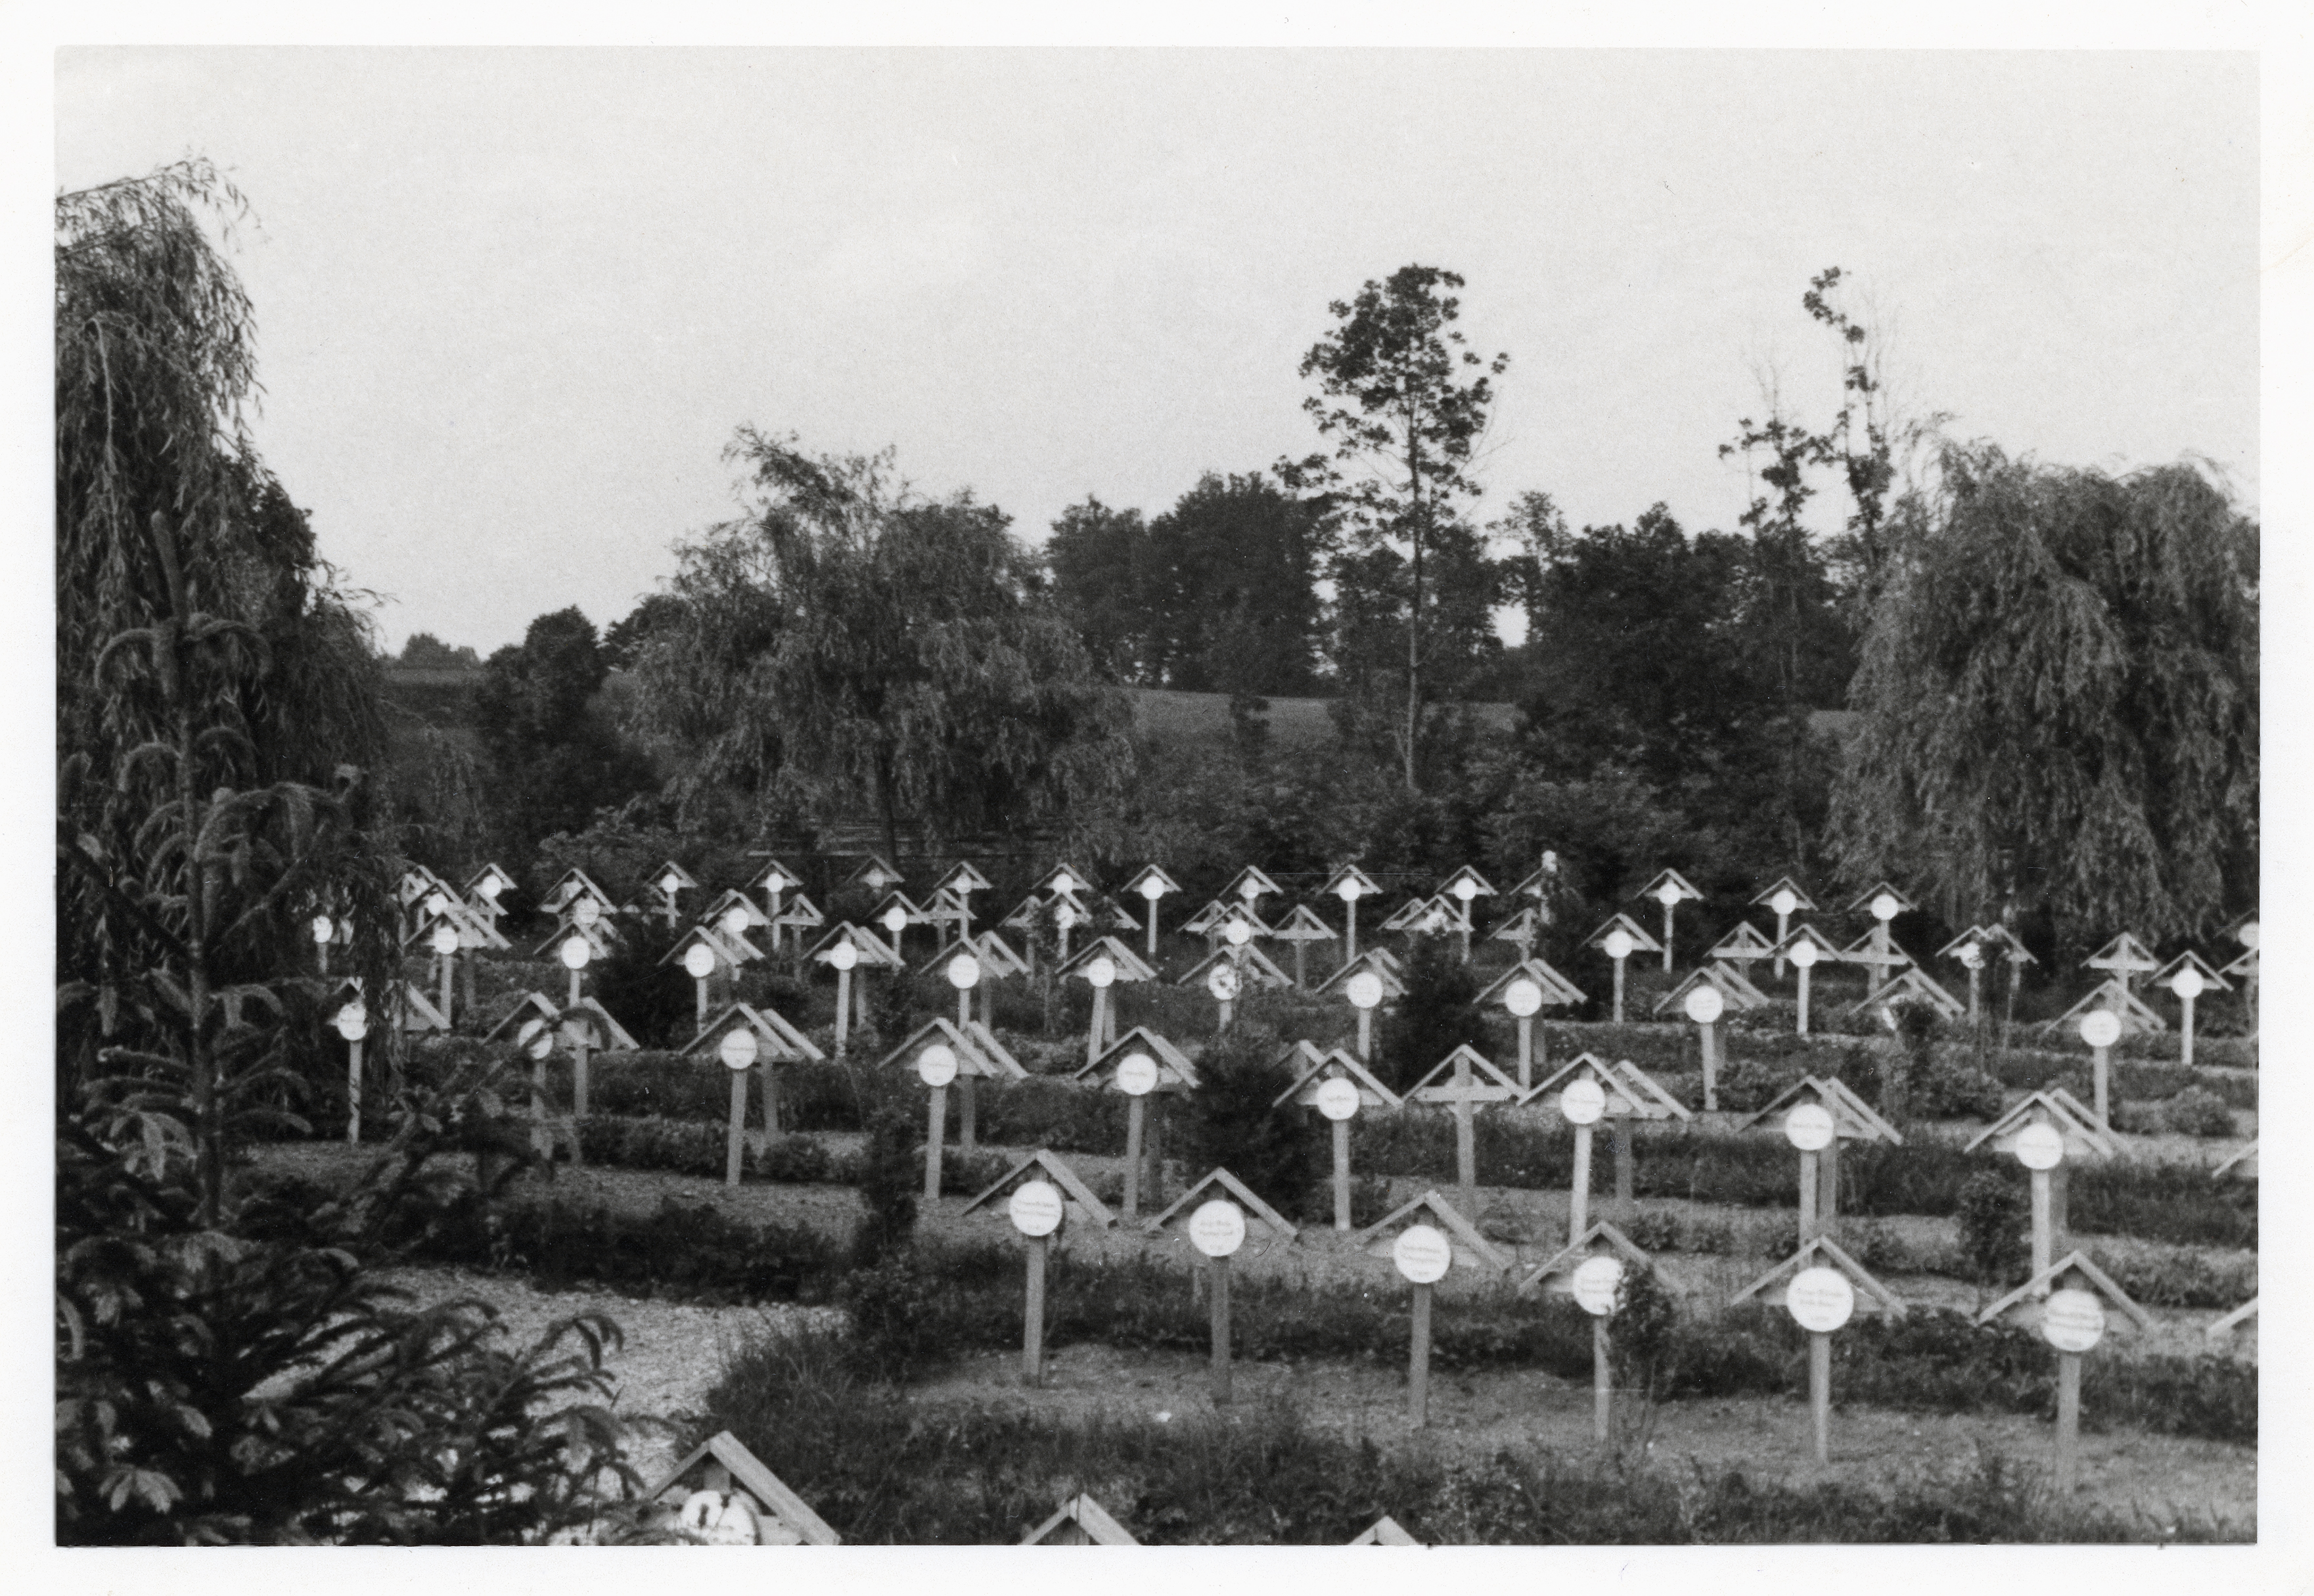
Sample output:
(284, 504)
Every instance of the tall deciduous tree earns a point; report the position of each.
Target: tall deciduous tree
(2059, 700)
(851, 642)
(1404, 412)
(216, 689)
(555, 756)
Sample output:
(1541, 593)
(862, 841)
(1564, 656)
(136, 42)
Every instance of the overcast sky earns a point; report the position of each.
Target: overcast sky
(512, 305)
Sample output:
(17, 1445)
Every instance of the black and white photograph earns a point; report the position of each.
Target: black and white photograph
(1292, 788)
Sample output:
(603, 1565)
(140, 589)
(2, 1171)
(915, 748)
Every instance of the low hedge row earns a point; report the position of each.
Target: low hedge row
(881, 1467)
(914, 1310)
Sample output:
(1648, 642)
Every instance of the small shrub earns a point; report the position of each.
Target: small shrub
(2198, 1111)
(889, 1182)
(1995, 1230)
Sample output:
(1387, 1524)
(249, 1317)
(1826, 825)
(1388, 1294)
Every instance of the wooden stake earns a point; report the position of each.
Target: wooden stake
(1783, 930)
(1134, 1112)
(699, 1023)
(1808, 1198)
(771, 1100)
(967, 1111)
(579, 1055)
(1417, 1368)
(574, 991)
(936, 1133)
(1619, 991)
(2043, 1249)
(734, 1143)
(1828, 1191)
(1221, 1318)
(2060, 1189)
(1711, 1069)
(2186, 1032)
(1667, 932)
(1152, 928)
(1820, 1393)
(842, 1008)
(1578, 1212)
(1601, 1384)
(1804, 997)
(1341, 1175)
(1153, 1184)
(353, 1093)
(1032, 1324)
(1350, 948)
(1974, 982)
(1093, 1028)
(2097, 1056)
(449, 969)
(1466, 1141)
(2069, 1421)
(1365, 1036)
(1526, 1050)
(1223, 1024)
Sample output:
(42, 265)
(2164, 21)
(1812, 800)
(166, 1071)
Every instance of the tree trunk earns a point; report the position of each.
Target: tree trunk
(208, 1123)
(1414, 614)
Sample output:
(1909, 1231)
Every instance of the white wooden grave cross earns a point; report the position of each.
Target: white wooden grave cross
(1338, 1086)
(1784, 899)
(2081, 1137)
(1884, 902)
(1104, 963)
(1249, 886)
(1970, 950)
(2125, 958)
(1044, 1191)
(1465, 1080)
(2244, 931)
(1424, 1239)
(776, 880)
(701, 951)
(1670, 889)
(1081, 1522)
(1806, 948)
(1910, 984)
(1465, 885)
(1524, 989)
(1152, 884)
(2134, 1013)
(1742, 945)
(1851, 1119)
(777, 1042)
(975, 1058)
(2067, 1303)
(485, 887)
(1302, 927)
(1365, 988)
(1520, 930)
(1349, 884)
(1146, 1069)
(952, 895)
(2188, 976)
(1822, 1289)
(875, 874)
(1225, 1212)
(1592, 1269)
(1619, 938)
(671, 880)
(750, 1505)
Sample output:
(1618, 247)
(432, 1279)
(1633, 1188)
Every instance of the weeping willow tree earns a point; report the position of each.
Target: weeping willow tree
(216, 694)
(2059, 698)
(851, 644)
